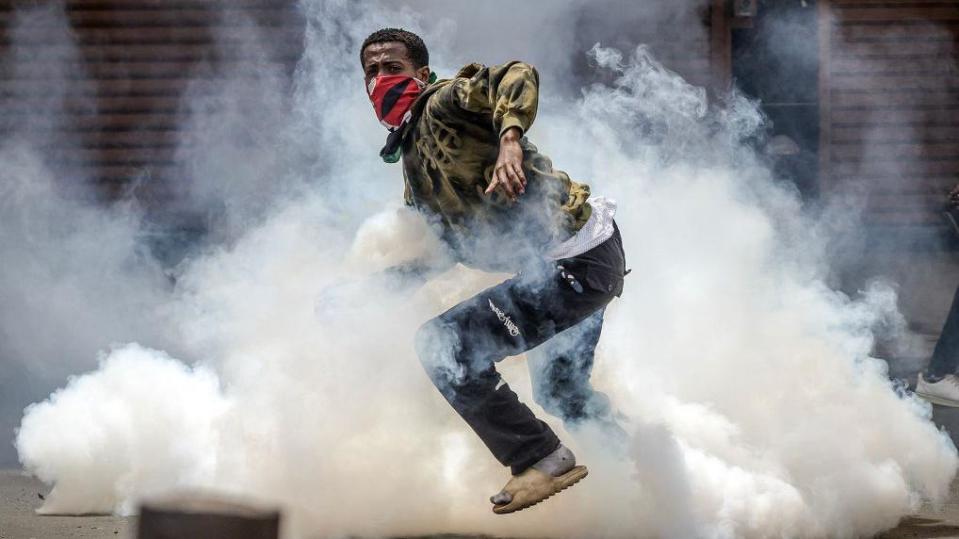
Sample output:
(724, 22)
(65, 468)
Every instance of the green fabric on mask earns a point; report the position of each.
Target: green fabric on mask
(392, 157)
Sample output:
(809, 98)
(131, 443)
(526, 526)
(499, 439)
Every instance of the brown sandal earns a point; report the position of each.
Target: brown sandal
(533, 486)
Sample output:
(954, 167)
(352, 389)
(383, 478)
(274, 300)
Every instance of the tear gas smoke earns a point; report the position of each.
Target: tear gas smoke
(754, 406)
(74, 276)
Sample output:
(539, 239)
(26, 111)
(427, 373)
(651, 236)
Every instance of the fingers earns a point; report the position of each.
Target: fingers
(501, 180)
(511, 179)
(508, 176)
(506, 182)
(495, 183)
(517, 177)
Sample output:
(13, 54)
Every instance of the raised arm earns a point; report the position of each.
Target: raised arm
(510, 94)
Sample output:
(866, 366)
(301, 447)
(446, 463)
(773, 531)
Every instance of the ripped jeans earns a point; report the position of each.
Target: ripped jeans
(555, 311)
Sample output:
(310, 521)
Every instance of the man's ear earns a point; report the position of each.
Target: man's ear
(423, 73)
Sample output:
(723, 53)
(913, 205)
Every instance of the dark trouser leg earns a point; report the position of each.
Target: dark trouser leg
(560, 370)
(946, 355)
(459, 348)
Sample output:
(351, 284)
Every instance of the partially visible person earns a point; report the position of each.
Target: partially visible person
(939, 383)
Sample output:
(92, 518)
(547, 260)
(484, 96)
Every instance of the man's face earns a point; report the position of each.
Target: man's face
(390, 58)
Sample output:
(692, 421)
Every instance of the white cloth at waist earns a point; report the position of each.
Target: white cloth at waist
(598, 228)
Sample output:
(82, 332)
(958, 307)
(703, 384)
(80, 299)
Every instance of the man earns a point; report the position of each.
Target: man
(939, 384)
(501, 206)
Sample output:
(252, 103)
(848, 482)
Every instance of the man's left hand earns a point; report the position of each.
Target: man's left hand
(508, 173)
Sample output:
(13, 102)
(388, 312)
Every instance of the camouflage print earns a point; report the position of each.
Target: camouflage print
(449, 152)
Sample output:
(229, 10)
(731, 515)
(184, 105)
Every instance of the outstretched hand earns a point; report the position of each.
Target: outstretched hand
(508, 174)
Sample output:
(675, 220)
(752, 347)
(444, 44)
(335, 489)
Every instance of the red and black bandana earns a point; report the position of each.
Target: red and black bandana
(392, 97)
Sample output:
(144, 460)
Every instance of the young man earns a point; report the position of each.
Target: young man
(939, 384)
(501, 206)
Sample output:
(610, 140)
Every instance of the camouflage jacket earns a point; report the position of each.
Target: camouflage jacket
(449, 150)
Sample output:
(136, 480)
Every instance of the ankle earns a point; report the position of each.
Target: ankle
(560, 461)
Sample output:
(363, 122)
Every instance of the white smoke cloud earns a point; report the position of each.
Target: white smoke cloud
(754, 405)
(74, 276)
(118, 434)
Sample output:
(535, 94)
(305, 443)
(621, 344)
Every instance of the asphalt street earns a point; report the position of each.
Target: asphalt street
(20, 496)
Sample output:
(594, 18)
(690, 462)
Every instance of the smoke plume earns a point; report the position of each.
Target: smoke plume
(753, 404)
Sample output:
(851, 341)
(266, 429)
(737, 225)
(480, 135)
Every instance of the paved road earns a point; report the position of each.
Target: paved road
(20, 496)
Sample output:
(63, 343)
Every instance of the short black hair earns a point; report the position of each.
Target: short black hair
(414, 44)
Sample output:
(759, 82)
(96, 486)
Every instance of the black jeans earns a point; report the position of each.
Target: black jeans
(946, 355)
(460, 348)
(560, 369)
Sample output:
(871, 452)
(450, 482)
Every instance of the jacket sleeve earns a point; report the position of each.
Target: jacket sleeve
(509, 92)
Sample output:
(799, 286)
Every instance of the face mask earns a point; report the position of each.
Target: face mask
(393, 96)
